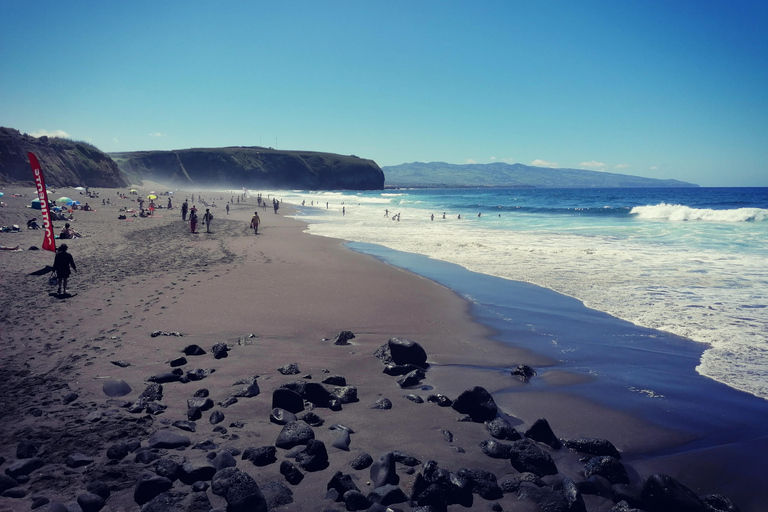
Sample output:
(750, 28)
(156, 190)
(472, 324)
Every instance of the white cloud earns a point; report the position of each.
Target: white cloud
(157, 134)
(54, 133)
(621, 166)
(493, 158)
(543, 163)
(114, 139)
(593, 164)
(654, 167)
(470, 161)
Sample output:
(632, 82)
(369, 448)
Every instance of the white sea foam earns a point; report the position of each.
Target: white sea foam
(650, 274)
(677, 212)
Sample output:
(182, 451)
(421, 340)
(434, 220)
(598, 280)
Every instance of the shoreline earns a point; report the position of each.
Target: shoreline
(290, 289)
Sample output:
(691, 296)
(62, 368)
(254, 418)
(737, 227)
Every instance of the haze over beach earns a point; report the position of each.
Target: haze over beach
(538, 281)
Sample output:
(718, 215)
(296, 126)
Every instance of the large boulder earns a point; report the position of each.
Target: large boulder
(402, 351)
(150, 485)
(663, 493)
(478, 403)
(239, 490)
(294, 433)
(314, 458)
(525, 456)
(593, 446)
(607, 467)
(541, 431)
(383, 470)
(500, 428)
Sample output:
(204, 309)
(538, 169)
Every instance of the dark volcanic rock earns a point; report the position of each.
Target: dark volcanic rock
(152, 392)
(314, 458)
(527, 457)
(484, 483)
(6, 482)
(178, 501)
(546, 498)
(719, 503)
(402, 351)
(148, 486)
(335, 380)
(310, 418)
(345, 394)
(276, 494)
(179, 361)
(294, 433)
(383, 470)
(477, 403)
(165, 377)
(76, 460)
(501, 429)
(168, 439)
(193, 350)
(316, 393)
(223, 459)
(512, 484)
(291, 473)
(343, 338)
(387, 495)
(24, 467)
(249, 388)
(99, 488)
(189, 426)
(496, 450)
(289, 369)
(287, 399)
(541, 431)
(116, 388)
(262, 456)
(342, 483)
(607, 467)
(400, 369)
(26, 449)
(524, 372)
(216, 417)
(441, 400)
(341, 440)
(239, 490)
(281, 416)
(382, 403)
(90, 502)
(355, 500)
(593, 446)
(414, 398)
(191, 472)
(663, 493)
(411, 378)
(362, 461)
(220, 350)
(167, 468)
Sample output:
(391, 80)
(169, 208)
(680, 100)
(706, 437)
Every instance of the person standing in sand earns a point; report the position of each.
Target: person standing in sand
(255, 220)
(207, 218)
(193, 220)
(184, 208)
(61, 263)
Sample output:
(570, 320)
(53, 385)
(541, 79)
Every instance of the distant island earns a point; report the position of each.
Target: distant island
(68, 163)
(498, 174)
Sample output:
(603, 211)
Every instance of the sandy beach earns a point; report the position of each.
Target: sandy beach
(147, 288)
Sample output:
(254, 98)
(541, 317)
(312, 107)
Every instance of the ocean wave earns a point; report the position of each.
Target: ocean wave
(678, 212)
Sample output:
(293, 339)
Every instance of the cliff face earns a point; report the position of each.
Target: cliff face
(65, 163)
(253, 168)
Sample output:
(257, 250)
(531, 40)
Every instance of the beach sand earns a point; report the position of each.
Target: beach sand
(276, 298)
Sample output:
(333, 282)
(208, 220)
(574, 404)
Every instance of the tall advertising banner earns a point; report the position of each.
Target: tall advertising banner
(49, 243)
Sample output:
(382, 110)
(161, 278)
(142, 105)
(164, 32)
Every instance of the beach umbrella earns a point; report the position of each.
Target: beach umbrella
(64, 200)
(133, 191)
(36, 204)
(151, 196)
(79, 188)
(75, 202)
(1, 194)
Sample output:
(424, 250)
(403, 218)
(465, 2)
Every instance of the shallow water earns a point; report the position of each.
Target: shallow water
(689, 262)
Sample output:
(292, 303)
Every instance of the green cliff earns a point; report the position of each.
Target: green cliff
(65, 163)
(253, 168)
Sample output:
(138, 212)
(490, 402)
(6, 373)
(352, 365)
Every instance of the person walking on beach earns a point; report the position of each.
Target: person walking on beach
(207, 218)
(61, 263)
(170, 204)
(193, 220)
(184, 208)
(227, 208)
(255, 220)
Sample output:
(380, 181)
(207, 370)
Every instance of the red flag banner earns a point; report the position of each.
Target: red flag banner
(49, 243)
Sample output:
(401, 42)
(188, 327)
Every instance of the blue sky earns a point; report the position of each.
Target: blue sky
(667, 89)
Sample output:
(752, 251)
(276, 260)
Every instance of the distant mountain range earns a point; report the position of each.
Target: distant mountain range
(498, 174)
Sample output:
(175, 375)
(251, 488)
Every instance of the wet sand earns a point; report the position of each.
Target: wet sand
(274, 299)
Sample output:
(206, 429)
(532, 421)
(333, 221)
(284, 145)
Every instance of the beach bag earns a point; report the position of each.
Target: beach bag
(210, 217)
(53, 280)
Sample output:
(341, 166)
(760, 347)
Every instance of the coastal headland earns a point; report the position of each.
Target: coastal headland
(105, 397)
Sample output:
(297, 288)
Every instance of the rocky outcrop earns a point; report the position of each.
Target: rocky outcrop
(65, 163)
(252, 168)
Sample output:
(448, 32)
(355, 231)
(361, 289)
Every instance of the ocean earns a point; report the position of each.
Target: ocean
(685, 261)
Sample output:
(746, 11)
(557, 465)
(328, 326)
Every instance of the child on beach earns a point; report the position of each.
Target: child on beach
(61, 263)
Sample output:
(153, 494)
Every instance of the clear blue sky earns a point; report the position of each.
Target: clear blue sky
(668, 89)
